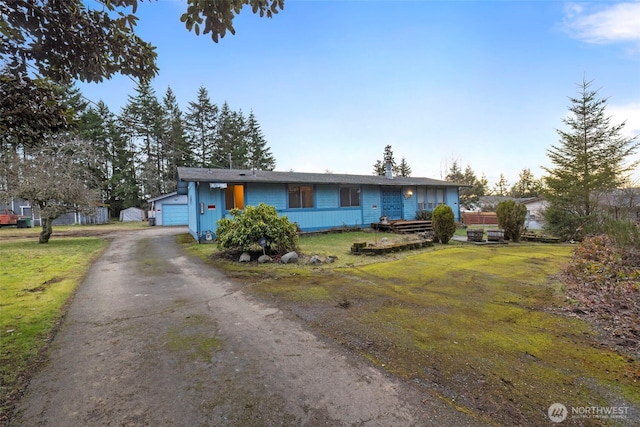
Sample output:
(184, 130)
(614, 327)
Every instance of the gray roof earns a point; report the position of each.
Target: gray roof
(164, 196)
(259, 176)
(494, 200)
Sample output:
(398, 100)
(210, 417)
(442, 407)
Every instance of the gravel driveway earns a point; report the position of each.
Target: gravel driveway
(156, 338)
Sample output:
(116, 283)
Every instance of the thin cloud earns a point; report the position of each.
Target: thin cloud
(630, 114)
(618, 23)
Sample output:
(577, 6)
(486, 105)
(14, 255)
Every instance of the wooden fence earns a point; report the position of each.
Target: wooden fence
(479, 218)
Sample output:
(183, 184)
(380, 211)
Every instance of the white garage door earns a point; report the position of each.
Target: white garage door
(175, 215)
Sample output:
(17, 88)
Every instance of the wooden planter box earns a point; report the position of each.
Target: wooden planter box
(475, 235)
(358, 247)
(495, 235)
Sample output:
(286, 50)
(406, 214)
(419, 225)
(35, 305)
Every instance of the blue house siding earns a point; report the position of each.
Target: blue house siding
(371, 204)
(453, 201)
(206, 205)
(323, 219)
(192, 202)
(212, 204)
(326, 196)
(410, 205)
(271, 194)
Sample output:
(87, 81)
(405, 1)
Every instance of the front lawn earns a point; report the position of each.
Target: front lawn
(36, 282)
(486, 328)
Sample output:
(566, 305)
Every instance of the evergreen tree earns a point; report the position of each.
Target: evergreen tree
(222, 157)
(143, 117)
(501, 188)
(176, 148)
(380, 166)
(526, 186)
(125, 191)
(92, 127)
(590, 156)
(474, 189)
(455, 173)
(201, 125)
(403, 168)
(237, 146)
(259, 155)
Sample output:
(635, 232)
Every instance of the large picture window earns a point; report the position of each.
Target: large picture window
(300, 196)
(349, 196)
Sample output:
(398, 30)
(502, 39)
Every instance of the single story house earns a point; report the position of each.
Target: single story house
(622, 203)
(535, 212)
(315, 201)
(169, 209)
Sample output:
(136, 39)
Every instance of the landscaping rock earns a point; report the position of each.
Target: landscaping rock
(289, 258)
(331, 259)
(264, 258)
(245, 257)
(315, 260)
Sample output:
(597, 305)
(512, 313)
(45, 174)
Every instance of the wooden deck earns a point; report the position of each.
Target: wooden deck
(404, 227)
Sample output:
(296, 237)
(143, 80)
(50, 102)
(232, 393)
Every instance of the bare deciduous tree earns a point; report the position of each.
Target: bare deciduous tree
(54, 179)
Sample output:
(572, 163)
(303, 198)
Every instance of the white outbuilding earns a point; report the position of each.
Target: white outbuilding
(131, 214)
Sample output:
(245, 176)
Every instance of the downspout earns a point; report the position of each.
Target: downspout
(197, 190)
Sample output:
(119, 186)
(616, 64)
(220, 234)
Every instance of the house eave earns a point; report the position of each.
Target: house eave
(242, 176)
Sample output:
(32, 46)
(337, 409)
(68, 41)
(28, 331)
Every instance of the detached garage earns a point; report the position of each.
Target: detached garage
(169, 209)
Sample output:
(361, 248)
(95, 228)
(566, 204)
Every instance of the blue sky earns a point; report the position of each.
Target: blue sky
(332, 82)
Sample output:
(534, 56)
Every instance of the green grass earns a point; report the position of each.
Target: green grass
(35, 283)
(487, 327)
(194, 339)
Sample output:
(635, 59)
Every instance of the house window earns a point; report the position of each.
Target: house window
(234, 197)
(349, 197)
(435, 197)
(300, 196)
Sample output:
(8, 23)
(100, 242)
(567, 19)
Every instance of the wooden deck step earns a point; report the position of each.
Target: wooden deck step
(406, 227)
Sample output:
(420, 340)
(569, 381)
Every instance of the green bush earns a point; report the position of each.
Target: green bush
(444, 224)
(423, 215)
(568, 225)
(625, 233)
(511, 216)
(248, 226)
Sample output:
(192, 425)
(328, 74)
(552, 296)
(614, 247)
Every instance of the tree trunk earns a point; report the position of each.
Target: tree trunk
(46, 232)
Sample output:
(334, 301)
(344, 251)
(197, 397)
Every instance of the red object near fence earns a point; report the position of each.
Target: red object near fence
(8, 217)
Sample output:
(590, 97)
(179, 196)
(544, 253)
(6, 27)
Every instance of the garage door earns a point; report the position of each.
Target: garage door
(175, 215)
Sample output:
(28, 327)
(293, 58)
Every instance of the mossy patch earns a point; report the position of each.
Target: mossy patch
(485, 327)
(194, 338)
(149, 262)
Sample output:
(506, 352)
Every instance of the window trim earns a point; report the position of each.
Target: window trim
(300, 198)
(351, 188)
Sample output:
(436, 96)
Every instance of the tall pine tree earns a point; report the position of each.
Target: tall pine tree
(143, 117)
(590, 156)
(201, 125)
(176, 150)
(258, 153)
(527, 185)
